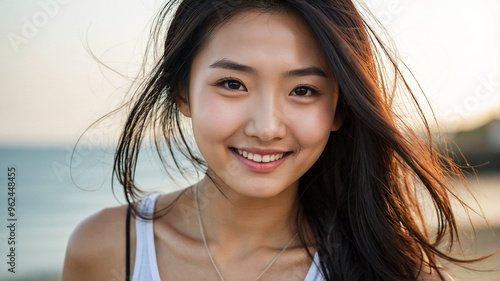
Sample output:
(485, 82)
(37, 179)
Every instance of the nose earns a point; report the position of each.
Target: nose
(266, 119)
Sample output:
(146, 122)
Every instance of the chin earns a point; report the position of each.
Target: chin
(262, 191)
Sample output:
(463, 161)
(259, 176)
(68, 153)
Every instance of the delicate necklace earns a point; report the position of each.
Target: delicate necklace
(210, 254)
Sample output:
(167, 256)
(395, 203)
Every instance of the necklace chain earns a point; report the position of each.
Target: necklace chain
(210, 254)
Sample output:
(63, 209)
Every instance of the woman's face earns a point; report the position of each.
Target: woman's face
(261, 89)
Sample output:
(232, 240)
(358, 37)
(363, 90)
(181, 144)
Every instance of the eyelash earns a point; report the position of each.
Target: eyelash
(222, 82)
(314, 90)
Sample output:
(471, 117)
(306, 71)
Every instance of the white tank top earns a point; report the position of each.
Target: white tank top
(146, 267)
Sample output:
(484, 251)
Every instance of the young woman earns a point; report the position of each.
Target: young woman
(309, 174)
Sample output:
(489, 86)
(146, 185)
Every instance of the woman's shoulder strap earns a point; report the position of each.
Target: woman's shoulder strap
(127, 246)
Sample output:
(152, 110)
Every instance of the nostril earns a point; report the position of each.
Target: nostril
(265, 127)
(266, 134)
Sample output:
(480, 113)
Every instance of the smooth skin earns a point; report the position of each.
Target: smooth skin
(260, 84)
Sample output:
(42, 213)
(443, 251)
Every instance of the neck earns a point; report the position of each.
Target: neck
(236, 221)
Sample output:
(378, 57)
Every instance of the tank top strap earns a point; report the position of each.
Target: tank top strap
(146, 266)
(314, 273)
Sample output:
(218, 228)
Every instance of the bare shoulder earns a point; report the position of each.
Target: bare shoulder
(96, 248)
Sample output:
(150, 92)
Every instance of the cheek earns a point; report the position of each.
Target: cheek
(213, 117)
(313, 126)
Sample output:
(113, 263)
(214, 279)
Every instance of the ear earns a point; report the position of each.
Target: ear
(337, 120)
(338, 117)
(183, 105)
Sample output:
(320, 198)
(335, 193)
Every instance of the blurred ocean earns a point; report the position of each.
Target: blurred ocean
(50, 202)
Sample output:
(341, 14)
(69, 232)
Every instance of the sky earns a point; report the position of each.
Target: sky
(52, 89)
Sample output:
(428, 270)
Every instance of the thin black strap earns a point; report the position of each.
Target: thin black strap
(127, 256)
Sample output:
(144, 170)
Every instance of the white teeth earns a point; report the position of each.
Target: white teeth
(257, 158)
(266, 158)
(260, 158)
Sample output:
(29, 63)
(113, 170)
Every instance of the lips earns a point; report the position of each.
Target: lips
(260, 158)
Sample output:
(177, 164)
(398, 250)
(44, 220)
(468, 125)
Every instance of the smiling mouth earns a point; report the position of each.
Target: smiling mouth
(260, 158)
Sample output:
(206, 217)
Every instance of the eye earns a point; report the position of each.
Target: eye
(231, 84)
(304, 91)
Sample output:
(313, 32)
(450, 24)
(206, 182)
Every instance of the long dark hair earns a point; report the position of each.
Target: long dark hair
(361, 197)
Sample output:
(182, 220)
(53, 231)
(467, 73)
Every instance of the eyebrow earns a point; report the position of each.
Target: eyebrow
(312, 70)
(229, 64)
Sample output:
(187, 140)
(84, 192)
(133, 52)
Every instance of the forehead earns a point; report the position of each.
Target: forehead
(252, 36)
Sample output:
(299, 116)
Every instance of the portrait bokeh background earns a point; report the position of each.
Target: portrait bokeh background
(66, 63)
